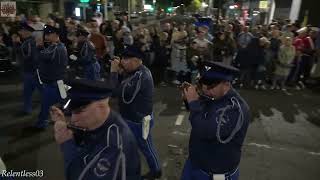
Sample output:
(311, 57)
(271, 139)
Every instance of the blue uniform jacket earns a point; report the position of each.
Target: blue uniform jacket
(92, 158)
(214, 149)
(53, 63)
(140, 82)
(29, 55)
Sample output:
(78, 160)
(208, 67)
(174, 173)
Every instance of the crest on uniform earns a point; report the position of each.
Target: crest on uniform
(207, 68)
(102, 168)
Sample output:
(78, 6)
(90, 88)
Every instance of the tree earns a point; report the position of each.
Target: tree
(194, 6)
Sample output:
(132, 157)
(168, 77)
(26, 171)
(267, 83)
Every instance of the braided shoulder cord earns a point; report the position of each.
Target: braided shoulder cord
(51, 50)
(237, 127)
(138, 87)
(84, 49)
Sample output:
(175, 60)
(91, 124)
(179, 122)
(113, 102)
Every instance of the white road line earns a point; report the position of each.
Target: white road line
(180, 133)
(179, 120)
(315, 153)
(260, 145)
(165, 163)
(287, 93)
(265, 146)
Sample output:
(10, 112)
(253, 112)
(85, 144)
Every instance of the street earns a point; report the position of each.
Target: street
(283, 140)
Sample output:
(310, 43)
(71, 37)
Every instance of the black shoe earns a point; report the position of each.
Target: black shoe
(152, 175)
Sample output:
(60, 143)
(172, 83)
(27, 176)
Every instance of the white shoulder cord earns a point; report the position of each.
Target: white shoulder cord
(138, 86)
(97, 156)
(84, 49)
(237, 127)
(49, 51)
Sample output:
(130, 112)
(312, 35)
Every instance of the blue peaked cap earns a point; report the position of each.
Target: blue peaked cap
(217, 71)
(50, 29)
(84, 92)
(133, 51)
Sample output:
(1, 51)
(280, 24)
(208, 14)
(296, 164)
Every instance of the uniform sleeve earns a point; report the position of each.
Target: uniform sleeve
(63, 55)
(34, 52)
(115, 83)
(195, 113)
(69, 151)
(147, 93)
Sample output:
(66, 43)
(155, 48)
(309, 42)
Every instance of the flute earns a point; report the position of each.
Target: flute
(72, 127)
(185, 85)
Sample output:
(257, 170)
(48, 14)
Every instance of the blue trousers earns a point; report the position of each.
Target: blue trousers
(50, 96)
(192, 173)
(30, 83)
(146, 146)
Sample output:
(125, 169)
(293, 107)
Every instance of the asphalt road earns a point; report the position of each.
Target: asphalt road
(283, 141)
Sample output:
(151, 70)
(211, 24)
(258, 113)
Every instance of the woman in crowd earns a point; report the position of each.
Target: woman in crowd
(283, 65)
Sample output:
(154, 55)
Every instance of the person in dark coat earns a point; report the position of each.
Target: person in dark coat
(248, 60)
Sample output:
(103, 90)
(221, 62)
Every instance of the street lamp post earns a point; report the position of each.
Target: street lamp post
(106, 10)
(129, 10)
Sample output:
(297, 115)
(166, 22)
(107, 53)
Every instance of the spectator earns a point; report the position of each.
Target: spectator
(179, 56)
(248, 60)
(127, 37)
(244, 37)
(220, 47)
(283, 65)
(38, 26)
(162, 55)
(98, 40)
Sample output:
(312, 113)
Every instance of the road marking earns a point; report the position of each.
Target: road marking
(265, 146)
(260, 145)
(180, 133)
(179, 120)
(315, 153)
(165, 164)
(172, 146)
(287, 93)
